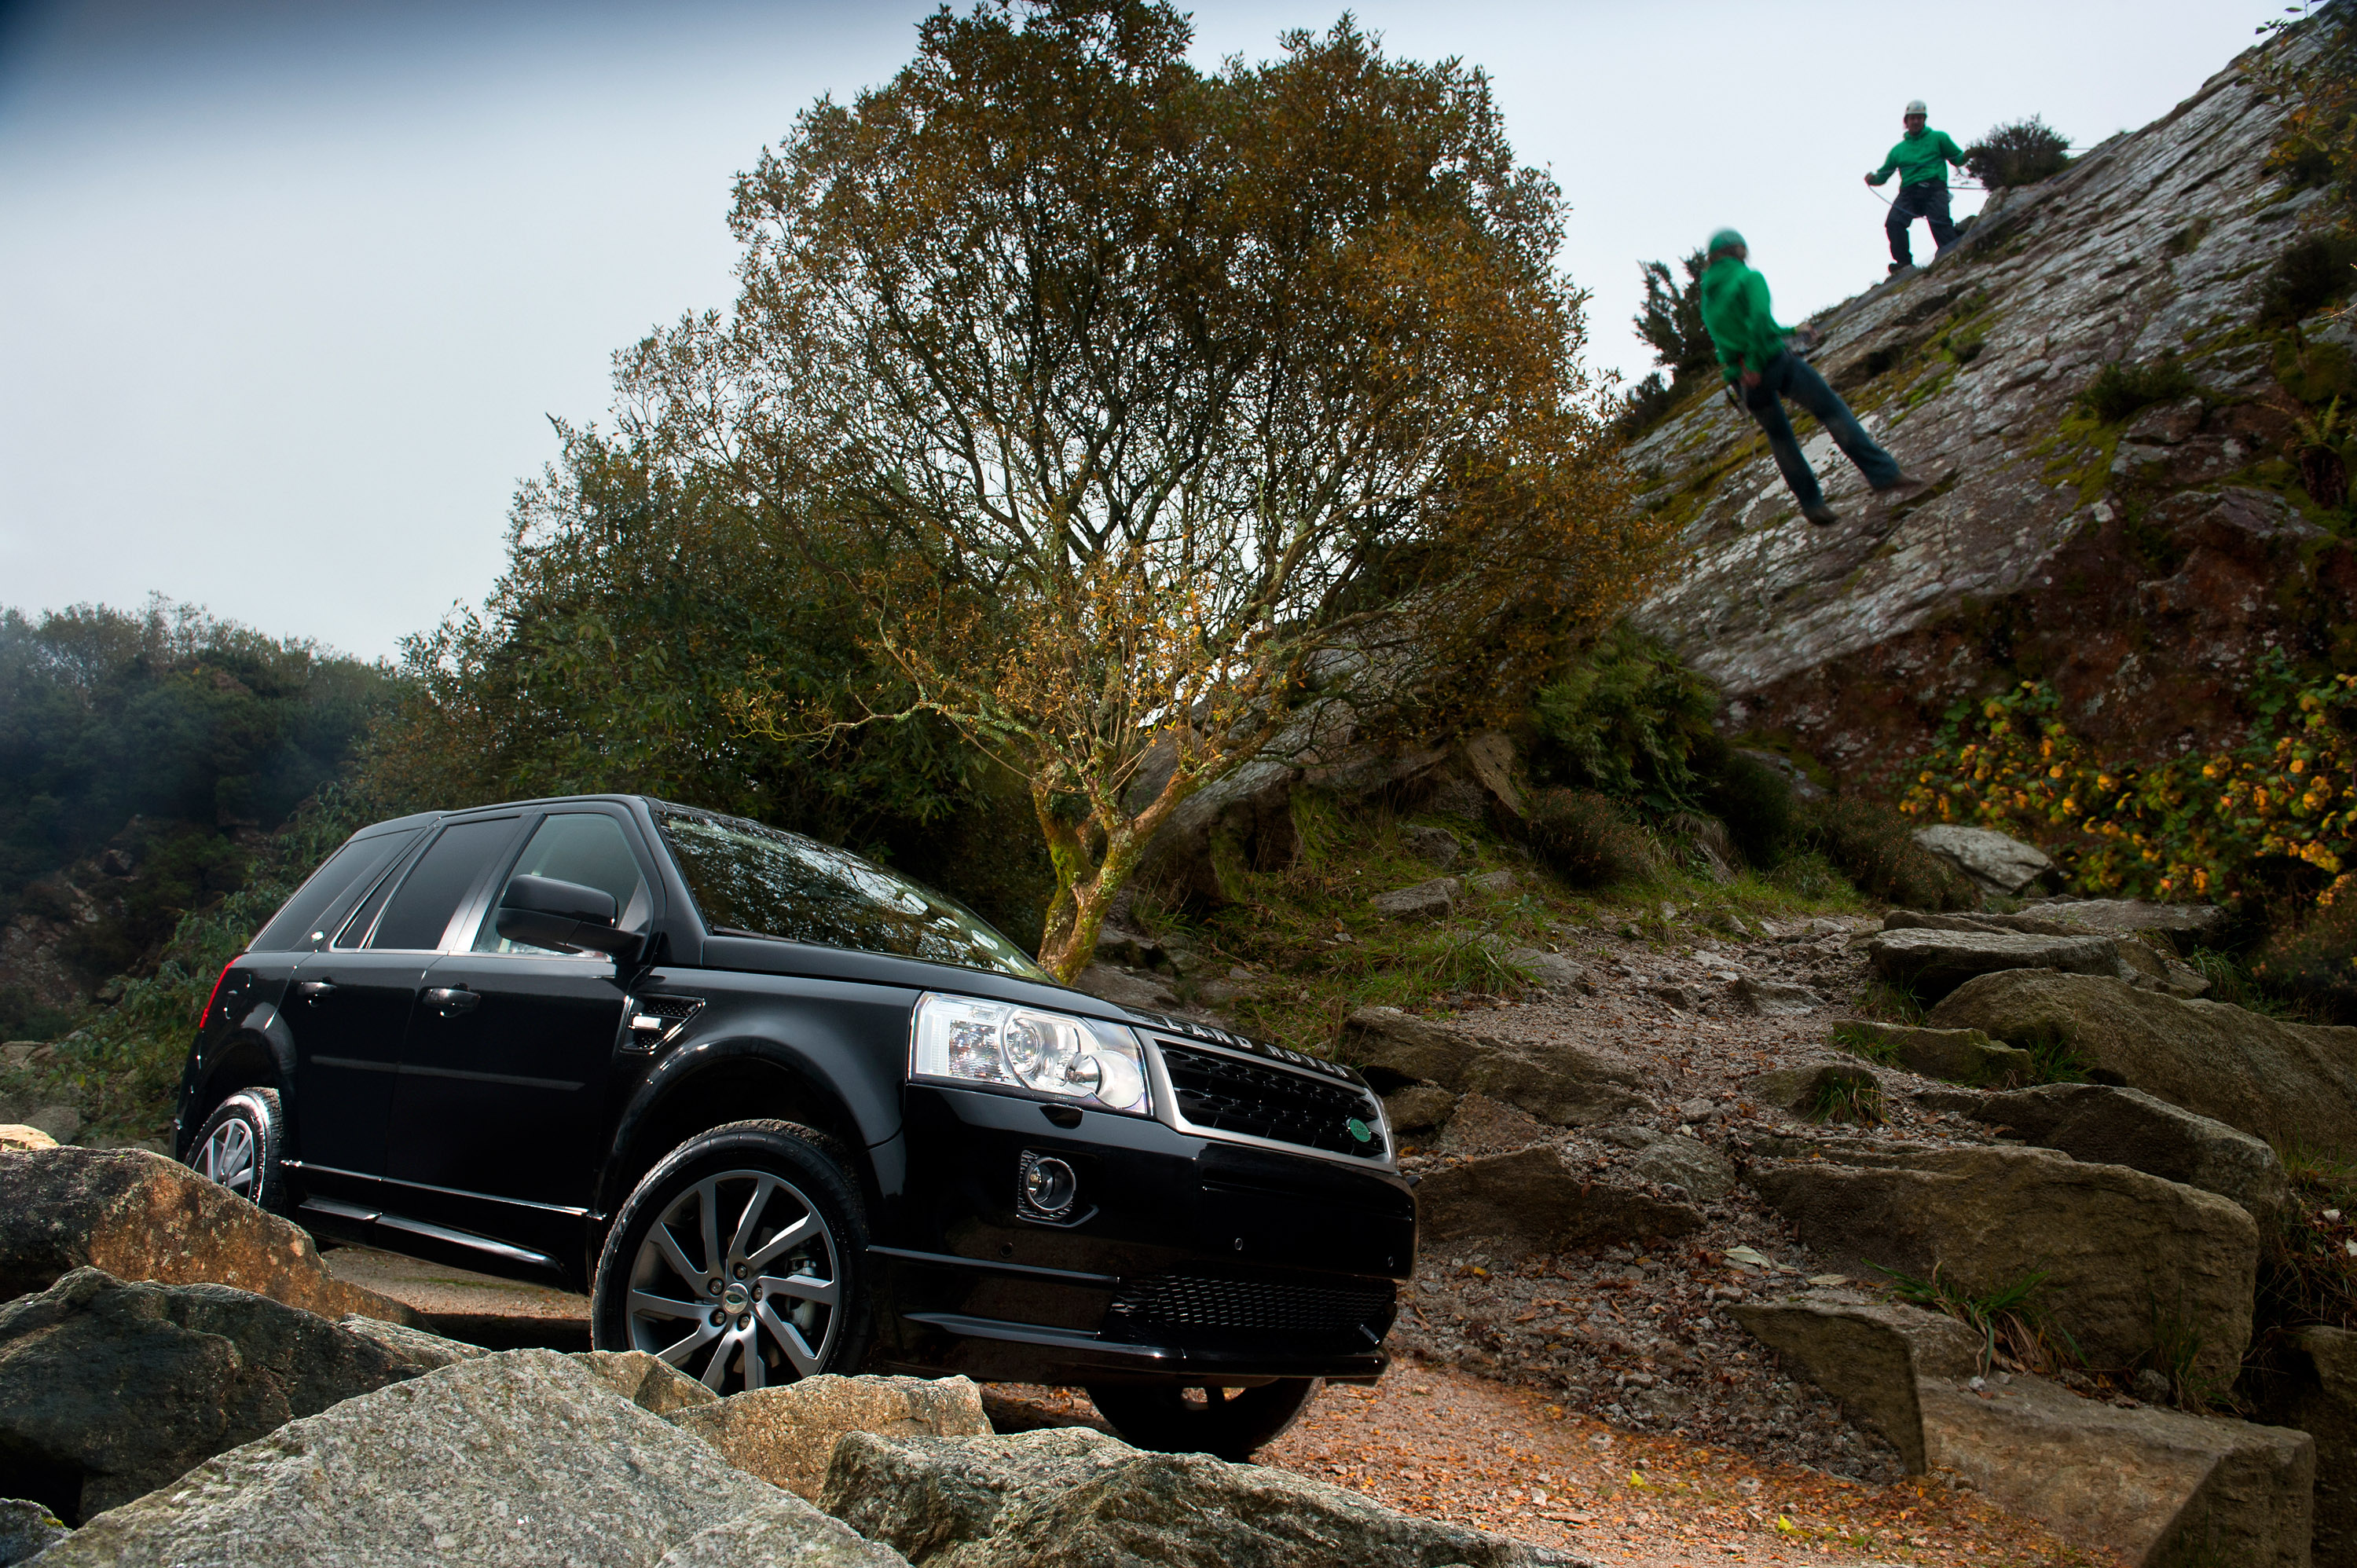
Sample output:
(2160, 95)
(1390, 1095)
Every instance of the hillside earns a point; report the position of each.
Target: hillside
(2139, 562)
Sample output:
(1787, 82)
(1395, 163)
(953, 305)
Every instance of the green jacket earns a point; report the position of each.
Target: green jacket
(1921, 157)
(1735, 309)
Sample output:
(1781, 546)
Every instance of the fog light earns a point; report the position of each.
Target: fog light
(1049, 1187)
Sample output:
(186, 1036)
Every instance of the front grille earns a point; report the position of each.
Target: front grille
(1257, 1306)
(1227, 1094)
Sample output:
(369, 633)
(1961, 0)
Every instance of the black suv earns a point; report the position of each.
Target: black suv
(783, 1112)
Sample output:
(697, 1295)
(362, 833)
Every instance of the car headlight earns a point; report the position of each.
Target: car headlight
(1080, 1059)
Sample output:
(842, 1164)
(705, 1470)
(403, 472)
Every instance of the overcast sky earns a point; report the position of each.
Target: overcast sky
(290, 288)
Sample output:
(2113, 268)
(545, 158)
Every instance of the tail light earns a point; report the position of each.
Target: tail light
(207, 1010)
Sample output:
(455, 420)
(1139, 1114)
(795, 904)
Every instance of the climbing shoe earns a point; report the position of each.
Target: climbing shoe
(1821, 514)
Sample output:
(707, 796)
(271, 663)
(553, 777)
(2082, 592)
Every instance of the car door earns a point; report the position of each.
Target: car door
(350, 1006)
(508, 1064)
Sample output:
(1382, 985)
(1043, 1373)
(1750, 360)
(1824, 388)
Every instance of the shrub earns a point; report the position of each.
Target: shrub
(1586, 840)
(2276, 814)
(2022, 153)
(1874, 846)
(1646, 404)
(2314, 446)
(2307, 1270)
(1625, 719)
(2120, 389)
(2316, 959)
(1755, 801)
(2313, 272)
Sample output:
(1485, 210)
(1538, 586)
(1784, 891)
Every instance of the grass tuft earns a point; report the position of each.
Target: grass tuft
(2017, 1332)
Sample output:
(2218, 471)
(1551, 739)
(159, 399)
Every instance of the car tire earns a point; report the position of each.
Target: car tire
(1229, 1423)
(726, 1227)
(242, 1145)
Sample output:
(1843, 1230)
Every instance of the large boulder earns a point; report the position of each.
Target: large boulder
(1557, 1083)
(2109, 1125)
(1995, 861)
(1541, 1199)
(2288, 1083)
(1931, 964)
(26, 1529)
(2153, 1485)
(524, 1458)
(142, 1216)
(1072, 1497)
(1957, 1056)
(786, 1435)
(785, 1532)
(2183, 926)
(1869, 1355)
(2158, 1486)
(2311, 1385)
(110, 1389)
(2127, 1258)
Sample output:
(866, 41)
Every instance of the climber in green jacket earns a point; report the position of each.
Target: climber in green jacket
(1921, 158)
(1752, 354)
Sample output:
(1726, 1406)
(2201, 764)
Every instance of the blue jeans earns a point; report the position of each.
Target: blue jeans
(1927, 200)
(1789, 375)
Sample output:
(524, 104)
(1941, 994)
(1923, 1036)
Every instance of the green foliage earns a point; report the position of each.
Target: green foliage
(2054, 1056)
(2314, 271)
(1859, 1041)
(616, 651)
(123, 1067)
(2021, 153)
(1646, 404)
(1625, 719)
(2313, 959)
(2272, 817)
(1874, 846)
(1755, 800)
(1671, 320)
(2307, 1268)
(2015, 1329)
(1855, 1098)
(1585, 839)
(164, 734)
(2120, 388)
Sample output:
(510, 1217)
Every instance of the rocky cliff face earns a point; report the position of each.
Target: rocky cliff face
(2141, 565)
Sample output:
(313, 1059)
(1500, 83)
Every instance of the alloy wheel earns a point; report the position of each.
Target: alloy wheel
(738, 1282)
(228, 1156)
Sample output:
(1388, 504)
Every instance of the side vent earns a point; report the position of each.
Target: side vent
(655, 1021)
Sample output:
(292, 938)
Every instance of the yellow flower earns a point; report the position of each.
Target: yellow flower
(2298, 765)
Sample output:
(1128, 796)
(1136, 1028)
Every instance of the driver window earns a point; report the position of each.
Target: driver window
(586, 847)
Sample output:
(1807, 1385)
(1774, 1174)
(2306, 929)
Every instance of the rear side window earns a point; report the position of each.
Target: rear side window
(421, 911)
(586, 847)
(347, 868)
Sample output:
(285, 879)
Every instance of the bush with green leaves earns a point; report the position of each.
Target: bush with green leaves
(2020, 152)
(1626, 718)
(1875, 847)
(1585, 838)
(2123, 387)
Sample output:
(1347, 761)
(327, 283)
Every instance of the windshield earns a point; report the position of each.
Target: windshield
(752, 880)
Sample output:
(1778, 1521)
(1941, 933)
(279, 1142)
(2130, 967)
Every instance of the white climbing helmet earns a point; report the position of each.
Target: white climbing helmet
(1915, 106)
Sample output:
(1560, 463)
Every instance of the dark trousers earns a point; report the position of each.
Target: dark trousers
(1927, 201)
(1789, 375)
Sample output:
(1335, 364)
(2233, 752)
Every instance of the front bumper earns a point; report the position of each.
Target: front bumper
(1185, 1258)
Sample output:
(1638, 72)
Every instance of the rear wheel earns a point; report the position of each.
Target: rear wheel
(241, 1145)
(740, 1260)
(1229, 1422)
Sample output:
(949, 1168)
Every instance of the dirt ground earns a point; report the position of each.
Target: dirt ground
(1442, 1443)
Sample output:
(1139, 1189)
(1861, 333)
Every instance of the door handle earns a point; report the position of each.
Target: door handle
(449, 1000)
(312, 989)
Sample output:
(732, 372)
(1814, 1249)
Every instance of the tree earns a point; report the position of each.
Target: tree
(610, 654)
(1672, 319)
(1142, 410)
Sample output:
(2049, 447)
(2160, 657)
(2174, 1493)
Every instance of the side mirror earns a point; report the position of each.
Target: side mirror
(547, 913)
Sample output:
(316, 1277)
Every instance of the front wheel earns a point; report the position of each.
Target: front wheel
(740, 1260)
(241, 1146)
(1229, 1423)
